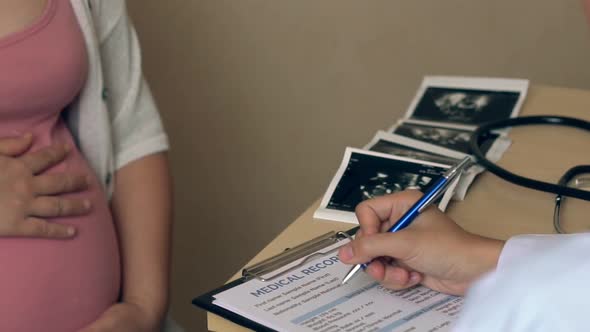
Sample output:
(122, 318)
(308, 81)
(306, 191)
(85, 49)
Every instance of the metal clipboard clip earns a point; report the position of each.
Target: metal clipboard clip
(292, 258)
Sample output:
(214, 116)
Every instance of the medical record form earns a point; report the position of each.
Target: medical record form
(311, 298)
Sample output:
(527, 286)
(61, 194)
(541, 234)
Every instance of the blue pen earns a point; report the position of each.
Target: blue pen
(437, 189)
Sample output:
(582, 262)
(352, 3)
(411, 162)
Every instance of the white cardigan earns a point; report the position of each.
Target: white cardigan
(114, 120)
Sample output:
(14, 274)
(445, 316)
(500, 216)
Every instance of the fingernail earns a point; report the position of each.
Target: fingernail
(346, 252)
(87, 204)
(71, 231)
(414, 277)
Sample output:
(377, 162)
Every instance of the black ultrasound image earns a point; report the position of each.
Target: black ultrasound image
(465, 106)
(369, 176)
(454, 139)
(409, 152)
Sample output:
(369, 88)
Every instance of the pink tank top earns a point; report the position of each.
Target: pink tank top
(53, 285)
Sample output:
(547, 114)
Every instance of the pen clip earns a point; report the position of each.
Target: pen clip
(454, 177)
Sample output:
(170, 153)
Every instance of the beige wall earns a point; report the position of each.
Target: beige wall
(261, 97)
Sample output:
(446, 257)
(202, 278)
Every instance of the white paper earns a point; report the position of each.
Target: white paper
(311, 298)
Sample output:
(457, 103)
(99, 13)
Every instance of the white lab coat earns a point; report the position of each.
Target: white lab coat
(541, 284)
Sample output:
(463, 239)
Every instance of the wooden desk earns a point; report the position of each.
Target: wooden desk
(492, 206)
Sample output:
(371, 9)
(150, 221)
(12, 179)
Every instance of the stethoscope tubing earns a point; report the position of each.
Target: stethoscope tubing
(483, 132)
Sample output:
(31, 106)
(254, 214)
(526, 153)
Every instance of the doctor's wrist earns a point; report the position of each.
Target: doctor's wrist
(485, 253)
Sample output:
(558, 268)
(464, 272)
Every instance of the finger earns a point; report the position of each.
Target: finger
(369, 217)
(398, 245)
(52, 184)
(374, 212)
(43, 159)
(34, 227)
(49, 207)
(393, 277)
(388, 260)
(359, 233)
(14, 146)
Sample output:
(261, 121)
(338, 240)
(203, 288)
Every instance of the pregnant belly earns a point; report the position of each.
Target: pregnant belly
(61, 285)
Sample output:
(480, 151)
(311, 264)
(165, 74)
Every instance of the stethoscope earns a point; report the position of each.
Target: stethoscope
(570, 184)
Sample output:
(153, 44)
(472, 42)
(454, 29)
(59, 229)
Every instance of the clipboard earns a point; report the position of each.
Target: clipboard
(266, 270)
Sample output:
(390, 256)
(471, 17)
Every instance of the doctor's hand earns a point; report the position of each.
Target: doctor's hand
(433, 250)
(27, 197)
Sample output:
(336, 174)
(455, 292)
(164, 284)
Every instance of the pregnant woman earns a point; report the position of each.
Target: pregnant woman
(70, 77)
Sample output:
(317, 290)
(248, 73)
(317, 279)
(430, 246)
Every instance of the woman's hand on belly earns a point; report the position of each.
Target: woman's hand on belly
(26, 196)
